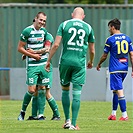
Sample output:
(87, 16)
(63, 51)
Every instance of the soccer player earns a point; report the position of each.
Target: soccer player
(32, 37)
(119, 45)
(77, 36)
(50, 99)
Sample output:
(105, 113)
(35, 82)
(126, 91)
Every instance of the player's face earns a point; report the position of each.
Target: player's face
(111, 30)
(40, 21)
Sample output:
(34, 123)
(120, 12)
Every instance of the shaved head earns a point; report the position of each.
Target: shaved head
(78, 12)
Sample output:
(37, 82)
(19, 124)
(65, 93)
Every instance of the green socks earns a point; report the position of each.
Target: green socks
(34, 106)
(26, 100)
(66, 103)
(54, 106)
(75, 108)
(41, 101)
(76, 92)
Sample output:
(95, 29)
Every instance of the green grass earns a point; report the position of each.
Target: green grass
(92, 119)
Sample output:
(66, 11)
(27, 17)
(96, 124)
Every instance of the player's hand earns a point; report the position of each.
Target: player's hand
(30, 50)
(89, 65)
(44, 50)
(98, 67)
(47, 66)
(36, 56)
(132, 74)
(47, 50)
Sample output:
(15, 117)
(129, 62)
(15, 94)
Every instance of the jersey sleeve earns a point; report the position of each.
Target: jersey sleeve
(130, 45)
(24, 35)
(91, 36)
(107, 46)
(60, 29)
(49, 38)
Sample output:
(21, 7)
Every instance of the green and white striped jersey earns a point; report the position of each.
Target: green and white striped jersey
(35, 40)
(76, 34)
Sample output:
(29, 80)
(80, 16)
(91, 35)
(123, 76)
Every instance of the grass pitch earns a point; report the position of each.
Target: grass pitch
(92, 119)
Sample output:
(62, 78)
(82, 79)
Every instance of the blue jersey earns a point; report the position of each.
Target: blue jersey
(119, 45)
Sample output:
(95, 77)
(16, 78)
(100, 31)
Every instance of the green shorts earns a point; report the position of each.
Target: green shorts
(73, 74)
(37, 75)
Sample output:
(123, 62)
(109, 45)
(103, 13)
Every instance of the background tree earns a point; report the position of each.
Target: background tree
(70, 1)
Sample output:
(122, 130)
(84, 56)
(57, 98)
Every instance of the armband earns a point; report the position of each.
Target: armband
(47, 44)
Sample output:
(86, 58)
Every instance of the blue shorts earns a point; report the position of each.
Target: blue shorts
(116, 80)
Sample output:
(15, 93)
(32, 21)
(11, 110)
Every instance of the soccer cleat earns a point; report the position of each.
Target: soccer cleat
(32, 118)
(67, 124)
(74, 127)
(42, 118)
(21, 116)
(123, 119)
(112, 117)
(56, 118)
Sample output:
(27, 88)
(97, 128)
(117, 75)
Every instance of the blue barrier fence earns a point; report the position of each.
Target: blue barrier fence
(4, 69)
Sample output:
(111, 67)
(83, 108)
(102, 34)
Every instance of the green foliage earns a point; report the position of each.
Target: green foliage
(13, 1)
(70, 1)
(92, 119)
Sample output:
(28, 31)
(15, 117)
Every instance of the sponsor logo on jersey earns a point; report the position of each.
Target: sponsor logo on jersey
(36, 39)
(45, 80)
(123, 60)
(39, 39)
(75, 49)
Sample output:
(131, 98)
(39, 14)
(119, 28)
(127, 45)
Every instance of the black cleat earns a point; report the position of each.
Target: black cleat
(32, 118)
(42, 118)
(56, 118)
(21, 116)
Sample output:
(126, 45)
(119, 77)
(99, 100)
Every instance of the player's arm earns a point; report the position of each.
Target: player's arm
(47, 45)
(22, 50)
(46, 48)
(41, 51)
(131, 60)
(92, 54)
(53, 50)
(102, 59)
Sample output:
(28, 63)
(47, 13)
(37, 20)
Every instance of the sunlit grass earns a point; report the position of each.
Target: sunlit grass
(92, 119)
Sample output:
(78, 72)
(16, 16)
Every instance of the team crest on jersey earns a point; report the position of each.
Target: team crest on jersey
(23, 37)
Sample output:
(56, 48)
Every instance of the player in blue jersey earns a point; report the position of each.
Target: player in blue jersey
(120, 46)
(77, 37)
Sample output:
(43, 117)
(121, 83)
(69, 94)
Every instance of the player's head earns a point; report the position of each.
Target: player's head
(114, 25)
(43, 25)
(78, 12)
(40, 20)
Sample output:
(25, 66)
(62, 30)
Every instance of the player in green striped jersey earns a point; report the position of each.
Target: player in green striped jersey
(77, 36)
(50, 99)
(33, 37)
